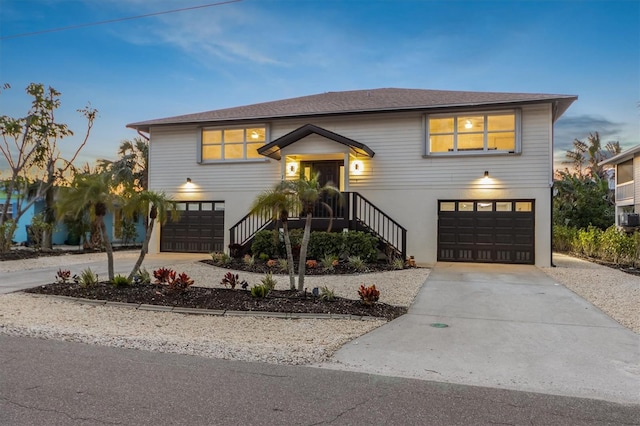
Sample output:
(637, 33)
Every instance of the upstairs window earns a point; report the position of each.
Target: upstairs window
(236, 143)
(496, 132)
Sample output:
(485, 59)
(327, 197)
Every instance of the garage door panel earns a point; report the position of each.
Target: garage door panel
(486, 236)
(197, 231)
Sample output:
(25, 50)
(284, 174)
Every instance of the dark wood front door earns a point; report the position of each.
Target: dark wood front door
(328, 173)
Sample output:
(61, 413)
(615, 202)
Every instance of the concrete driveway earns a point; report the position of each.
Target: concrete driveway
(509, 327)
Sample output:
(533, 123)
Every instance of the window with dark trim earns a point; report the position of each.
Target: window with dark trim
(232, 143)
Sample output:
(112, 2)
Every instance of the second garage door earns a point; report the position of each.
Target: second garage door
(500, 231)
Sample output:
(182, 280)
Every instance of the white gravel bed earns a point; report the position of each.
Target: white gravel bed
(273, 340)
(614, 292)
(64, 260)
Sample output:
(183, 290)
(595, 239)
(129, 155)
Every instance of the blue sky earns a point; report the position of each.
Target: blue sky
(260, 50)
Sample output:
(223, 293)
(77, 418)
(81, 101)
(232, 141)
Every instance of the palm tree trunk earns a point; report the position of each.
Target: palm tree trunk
(144, 250)
(302, 266)
(107, 247)
(290, 265)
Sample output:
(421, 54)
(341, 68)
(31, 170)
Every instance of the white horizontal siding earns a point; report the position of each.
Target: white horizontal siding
(397, 140)
(173, 154)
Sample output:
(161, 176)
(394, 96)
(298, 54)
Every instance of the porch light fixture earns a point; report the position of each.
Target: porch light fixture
(292, 169)
(188, 180)
(356, 167)
(486, 174)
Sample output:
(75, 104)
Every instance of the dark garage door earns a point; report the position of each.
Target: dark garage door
(499, 231)
(200, 228)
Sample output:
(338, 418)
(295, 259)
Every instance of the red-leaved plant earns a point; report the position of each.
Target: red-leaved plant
(63, 276)
(369, 295)
(232, 281)
(180, 283)
(164, 275)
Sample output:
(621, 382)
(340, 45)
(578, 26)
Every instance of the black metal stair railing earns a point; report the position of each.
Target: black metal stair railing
(365, 215)
(353, 209)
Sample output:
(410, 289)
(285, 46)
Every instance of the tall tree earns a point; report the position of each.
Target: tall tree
(30, 148)
(582, 195)
(309, 193)
(90, 193)
(277, 203)
(585, 156)
(131, 169)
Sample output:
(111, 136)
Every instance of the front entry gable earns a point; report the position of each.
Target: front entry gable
(273, 149)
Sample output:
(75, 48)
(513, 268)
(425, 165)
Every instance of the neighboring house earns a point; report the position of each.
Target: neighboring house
(626, 167)
(438, 175)
(113, 222)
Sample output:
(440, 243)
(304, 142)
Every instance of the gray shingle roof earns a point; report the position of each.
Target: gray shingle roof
(360, 101)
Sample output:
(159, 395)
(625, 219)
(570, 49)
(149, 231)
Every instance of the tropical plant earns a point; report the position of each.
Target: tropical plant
(249, 260)
(309, 193)
(276, 204)
(327, 294)
(260, 291)
(582, 201)
(311, 264)
(132, 168)
(164, 275)
(220, 258)
(232, 280)
(120, 281)
(329, 261)
(585, 156)
(142, 276)
(369, 295)
(269, 281)
(357, 264)
(86, 278)
(93, 193)
(63, 276)
(180, 283)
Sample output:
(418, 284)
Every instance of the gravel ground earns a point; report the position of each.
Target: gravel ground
(273, 340)
(616, 293)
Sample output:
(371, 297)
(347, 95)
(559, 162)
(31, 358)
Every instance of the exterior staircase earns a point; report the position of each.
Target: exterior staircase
(351, 211)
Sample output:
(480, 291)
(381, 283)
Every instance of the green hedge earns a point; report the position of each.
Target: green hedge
(610, 245)
(341, 244)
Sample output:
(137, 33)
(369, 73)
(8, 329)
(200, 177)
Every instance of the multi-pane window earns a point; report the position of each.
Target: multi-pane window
(469, 133)
(232, 143)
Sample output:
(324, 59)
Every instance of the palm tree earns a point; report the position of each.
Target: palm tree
(586, 156)
(92, 193)
(309, 192)
(157, 204)
(277, 203)
(131, 169)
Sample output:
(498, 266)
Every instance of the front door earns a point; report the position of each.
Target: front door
(328, 173)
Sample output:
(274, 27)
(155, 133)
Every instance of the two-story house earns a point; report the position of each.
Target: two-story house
(438, 175)
(626, 167)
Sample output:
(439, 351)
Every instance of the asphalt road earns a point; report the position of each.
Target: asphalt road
(47, 382)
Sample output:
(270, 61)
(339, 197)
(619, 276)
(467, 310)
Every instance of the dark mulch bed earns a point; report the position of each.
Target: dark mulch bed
(29, 253)
(220, 299)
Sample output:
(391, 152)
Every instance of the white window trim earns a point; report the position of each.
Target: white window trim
(267, 138)
(518, 133)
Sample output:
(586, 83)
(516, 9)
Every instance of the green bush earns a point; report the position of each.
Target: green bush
(268, 243)
(616, 246)
(589, 241)
(564, 238)
(361, 244)
(120, 281)
(323, 244)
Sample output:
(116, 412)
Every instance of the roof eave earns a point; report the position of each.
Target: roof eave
(623, 156)
(563, 105)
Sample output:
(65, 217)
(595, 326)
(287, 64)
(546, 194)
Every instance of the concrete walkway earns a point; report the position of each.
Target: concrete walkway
(509, 327)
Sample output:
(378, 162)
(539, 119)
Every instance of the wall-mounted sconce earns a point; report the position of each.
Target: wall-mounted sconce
(356, 167)
(486, 174)
(292, 168)
(188, 180)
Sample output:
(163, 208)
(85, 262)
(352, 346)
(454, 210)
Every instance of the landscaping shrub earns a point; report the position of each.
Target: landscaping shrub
(361, 244)
(268, 243)
(325, 243)
(120, 281)
(611, 245)
(232, 280)
(369, 295)
(86, 278)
